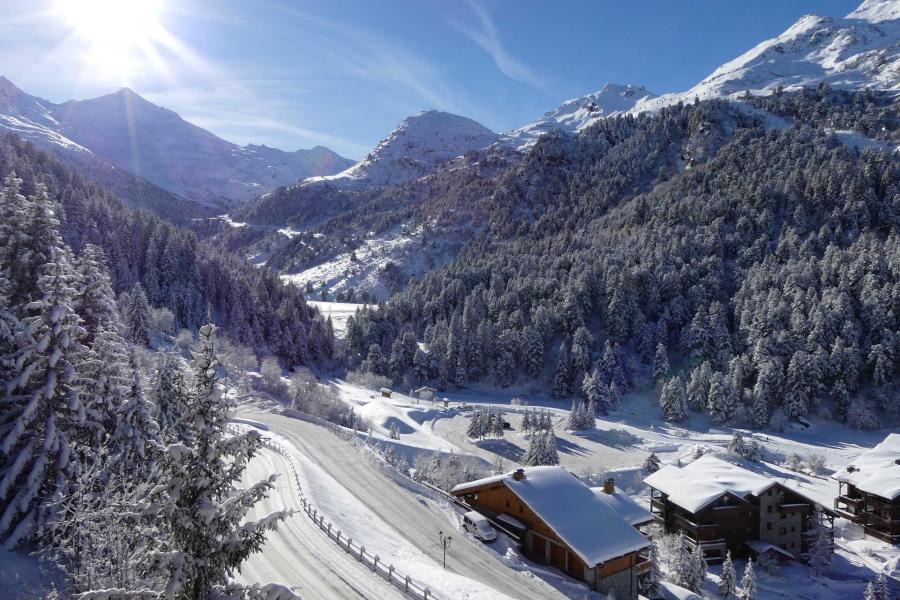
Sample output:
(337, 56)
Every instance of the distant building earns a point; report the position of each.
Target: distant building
(722, 506)
(425, 393)
(869, 491)
(566, 525)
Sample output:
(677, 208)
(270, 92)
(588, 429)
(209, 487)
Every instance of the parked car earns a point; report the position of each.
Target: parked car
(478, 525)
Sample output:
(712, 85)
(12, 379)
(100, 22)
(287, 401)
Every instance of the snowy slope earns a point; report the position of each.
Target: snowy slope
(158, 145)
(574, 115)
(415, 148)
(859, 51)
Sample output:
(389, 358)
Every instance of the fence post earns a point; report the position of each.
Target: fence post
(329, 530)
(391, 573)
(406, 584)
(338, 539)
(349, 540)
(427, 591)
(375, 564)
(362, 552)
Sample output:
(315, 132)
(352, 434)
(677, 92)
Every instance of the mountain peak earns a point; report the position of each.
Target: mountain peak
(578, 113)
(877, 11)
(415, 148)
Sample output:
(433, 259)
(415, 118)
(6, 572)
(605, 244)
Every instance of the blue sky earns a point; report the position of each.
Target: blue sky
(343, 73)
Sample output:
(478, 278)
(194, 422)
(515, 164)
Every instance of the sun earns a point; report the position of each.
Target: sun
(114, 32)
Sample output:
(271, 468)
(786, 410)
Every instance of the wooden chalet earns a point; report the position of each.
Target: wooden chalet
(869, 491)
(565, 525)
(722, 506)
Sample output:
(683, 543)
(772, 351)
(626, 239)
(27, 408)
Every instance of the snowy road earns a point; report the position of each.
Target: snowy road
(298, 554)
(417, 518)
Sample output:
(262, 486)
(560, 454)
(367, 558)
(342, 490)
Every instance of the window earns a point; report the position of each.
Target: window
(792, 529)
(768, 526)
(769, 508)
(507, 503)
(521, 508)
(783, 530)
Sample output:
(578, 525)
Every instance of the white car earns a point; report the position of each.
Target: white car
(478, 525)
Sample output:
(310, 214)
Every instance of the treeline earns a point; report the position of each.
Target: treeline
(176, 271)
(766, 263)
(130, 489)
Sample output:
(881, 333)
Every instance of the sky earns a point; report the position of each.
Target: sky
(343, 73)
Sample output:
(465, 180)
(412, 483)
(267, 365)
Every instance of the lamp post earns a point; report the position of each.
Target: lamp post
(445, 542)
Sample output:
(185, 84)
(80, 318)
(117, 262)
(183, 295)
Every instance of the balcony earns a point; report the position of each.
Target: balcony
(642, 566)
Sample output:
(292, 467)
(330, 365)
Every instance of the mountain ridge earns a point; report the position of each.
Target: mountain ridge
(155, 143)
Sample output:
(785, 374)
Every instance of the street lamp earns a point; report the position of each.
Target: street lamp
(445, 542)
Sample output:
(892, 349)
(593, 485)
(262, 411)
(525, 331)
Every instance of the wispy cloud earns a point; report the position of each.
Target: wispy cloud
(488, 38)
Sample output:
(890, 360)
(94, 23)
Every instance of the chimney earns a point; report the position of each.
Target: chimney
(519, 474)
(609, 486)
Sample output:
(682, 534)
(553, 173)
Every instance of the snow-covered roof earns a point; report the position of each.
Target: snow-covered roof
(705, 480)
(590, 527)
(876, 471)
(761, 547)
(627, 507)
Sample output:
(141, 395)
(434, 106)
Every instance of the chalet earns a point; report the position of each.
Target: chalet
(565, 525)
(386, 393)
(869, 491)
(722, 506)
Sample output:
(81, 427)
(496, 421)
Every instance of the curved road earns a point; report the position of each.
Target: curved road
(411, 514)
(298, 554)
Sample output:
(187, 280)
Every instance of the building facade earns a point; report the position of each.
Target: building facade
(724, 507)
(869, 491)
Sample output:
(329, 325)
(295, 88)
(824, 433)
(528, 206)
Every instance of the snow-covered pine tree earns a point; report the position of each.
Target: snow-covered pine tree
(697, 393)
(550, 455)
(672, 401)
(652, 583)
(136, 427)
(881, 586)
(534, 451)
(720, 400)
(821, 545)
(870, 593)
(748, 583)
(95, 300)
(136, 315)
(660, 363)
(169, 393)
(575, 420)
(698, 569)
(728, 581)
(497, 425)
(42, 411)
(198, 509)
(651, 465)
(615, 395)
(562, 377)
(680, 572)
(534, 352)
(474, 428)
(526, 422)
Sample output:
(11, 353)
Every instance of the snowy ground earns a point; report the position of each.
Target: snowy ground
(399, 519)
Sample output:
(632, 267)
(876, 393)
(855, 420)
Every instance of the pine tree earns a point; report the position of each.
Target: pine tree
(526, 422)
(821, 545)
(660, 363)
(534, 352)
(497, 426)
(95, 301)
(671, 401)
(651, 465)
(136, 315)
(697, 394)
(652, 589)
(169, 394)
(698, 569)
(550, 455)
(198, 509)
(562, 377)
(42, 411)
(748, 583)
(881, 587)
(720, 400)
(728, 581)
(135, 427)
(871, 593)
(680, 569)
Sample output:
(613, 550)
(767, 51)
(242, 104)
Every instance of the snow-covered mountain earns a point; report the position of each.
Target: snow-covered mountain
(158, 145)
(415, 148)
(861, 50)
(574, 115)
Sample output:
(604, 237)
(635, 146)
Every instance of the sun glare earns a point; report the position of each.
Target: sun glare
(113, 30)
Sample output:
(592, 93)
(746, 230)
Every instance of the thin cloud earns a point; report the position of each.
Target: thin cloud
(488, 38)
